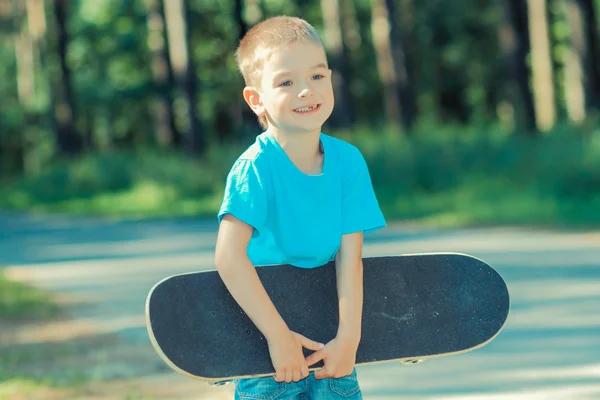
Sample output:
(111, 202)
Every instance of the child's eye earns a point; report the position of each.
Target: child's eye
(318, 76)
(286, 83)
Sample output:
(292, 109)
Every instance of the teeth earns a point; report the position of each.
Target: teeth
(305, 109)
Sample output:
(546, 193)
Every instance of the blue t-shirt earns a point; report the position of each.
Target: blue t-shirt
(299, 219)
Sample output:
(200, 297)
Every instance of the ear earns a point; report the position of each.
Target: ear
(252, 98)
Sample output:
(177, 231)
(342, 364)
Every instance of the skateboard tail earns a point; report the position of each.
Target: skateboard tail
(153, 339)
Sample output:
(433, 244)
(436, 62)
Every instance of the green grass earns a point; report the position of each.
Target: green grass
(451, 176)
(29, 364)
(20, 388)
(21, 301)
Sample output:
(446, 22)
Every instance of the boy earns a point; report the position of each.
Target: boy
(296, 196)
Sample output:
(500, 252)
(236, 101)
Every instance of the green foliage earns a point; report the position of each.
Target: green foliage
(440, 175)
(18, 301)
(126, 184)
(451, 167)
(454, 62)
(462, 176)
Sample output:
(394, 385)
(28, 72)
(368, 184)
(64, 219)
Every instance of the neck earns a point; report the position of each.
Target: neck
(303, 148)
(303, 145)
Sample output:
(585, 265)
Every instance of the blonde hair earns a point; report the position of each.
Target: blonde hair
(273, 32)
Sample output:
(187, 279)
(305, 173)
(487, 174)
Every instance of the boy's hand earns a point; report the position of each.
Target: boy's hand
(287, 356)
(339, 357)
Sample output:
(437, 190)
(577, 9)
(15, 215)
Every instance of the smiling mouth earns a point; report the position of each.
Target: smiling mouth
(307, 110)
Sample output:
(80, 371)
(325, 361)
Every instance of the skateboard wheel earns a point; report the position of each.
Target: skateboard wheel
(220, 383)
(411, 362)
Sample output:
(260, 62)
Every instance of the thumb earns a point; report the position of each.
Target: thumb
(315, 358)
(310, 344)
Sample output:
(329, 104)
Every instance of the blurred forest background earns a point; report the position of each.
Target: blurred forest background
(468, 111)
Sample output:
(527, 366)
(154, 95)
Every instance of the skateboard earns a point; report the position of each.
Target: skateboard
(415, 307)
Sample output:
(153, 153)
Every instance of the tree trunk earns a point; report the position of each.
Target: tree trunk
(390, 62)
(343, 113)
(351, 31)
(14, 153)
(166, 131)
(303, 7)
(592, 61)
(24, 55)
(399, 56)
(37, 24)
(575, 64)
(36, 14)
(514, 39)
(238, 7)
(245, 121)
(68, 141)
(541, 65)
(559, 39)
(176, 14)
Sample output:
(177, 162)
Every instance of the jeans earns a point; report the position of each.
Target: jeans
(308, 388)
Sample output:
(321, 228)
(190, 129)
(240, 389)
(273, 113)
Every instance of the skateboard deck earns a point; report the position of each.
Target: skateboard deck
(416, 306)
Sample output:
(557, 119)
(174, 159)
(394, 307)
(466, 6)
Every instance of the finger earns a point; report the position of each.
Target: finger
(279, 375)
(322, 373)
(315, 357)
(311, 344)
(304, 371)
(297, 375)
(289, 374)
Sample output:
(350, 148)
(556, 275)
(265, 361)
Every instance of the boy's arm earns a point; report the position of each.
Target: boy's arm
(339, 355)
(242, 281)
(349, 271)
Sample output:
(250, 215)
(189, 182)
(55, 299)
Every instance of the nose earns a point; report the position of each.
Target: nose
(306, 91)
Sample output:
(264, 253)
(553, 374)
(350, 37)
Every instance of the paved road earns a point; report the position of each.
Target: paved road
(550, 348)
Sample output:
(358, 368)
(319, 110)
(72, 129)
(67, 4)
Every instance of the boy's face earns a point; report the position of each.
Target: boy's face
(295, 93)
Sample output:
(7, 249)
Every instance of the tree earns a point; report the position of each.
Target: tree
(167, 132)
(399, 33)
(30, 56)
(176, 14)
(24, 54)
(246, 14)
(238, 7)
(67, 139)
(343, 113)
(541, 65)
(590, 15)
(582, 78)
(391, 60)
(575, 63)
(514, 40)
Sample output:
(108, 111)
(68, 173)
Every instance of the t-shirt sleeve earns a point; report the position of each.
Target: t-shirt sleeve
(245, 195)
(360, 208)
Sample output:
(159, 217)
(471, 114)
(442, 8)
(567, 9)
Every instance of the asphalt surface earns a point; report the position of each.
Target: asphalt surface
(549, 348)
